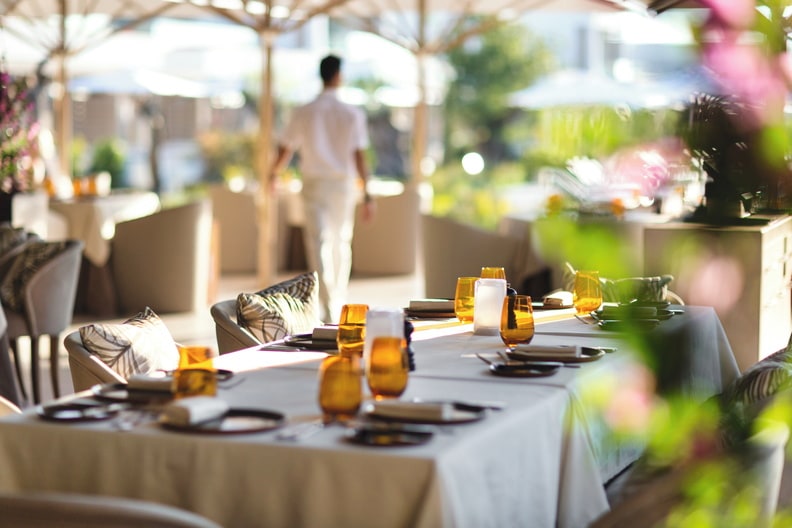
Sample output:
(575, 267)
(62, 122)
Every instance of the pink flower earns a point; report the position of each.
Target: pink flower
(738, 14)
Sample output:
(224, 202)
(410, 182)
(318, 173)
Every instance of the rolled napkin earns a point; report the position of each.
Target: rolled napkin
(194, 410)
(558, 299)
(325, 333)
(432, 305)
(157, 382)
(609, 311)
(422, 411)
(548, 350)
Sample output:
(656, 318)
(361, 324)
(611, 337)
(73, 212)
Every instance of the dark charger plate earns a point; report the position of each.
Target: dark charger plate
(388, 435)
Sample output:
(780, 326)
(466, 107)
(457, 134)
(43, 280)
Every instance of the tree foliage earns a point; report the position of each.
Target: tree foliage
(488, 69)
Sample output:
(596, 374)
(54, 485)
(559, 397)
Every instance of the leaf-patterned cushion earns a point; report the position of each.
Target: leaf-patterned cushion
(764, 379)
(280, 310)
(644, 289)
(139, 345)
(24, 266)
(11, 237)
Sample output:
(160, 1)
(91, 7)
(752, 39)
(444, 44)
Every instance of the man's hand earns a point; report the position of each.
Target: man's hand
(368, 210)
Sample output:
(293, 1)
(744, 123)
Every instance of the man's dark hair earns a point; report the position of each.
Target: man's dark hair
(329, 68)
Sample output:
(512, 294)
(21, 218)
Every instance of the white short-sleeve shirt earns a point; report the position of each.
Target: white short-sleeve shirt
(327, 132)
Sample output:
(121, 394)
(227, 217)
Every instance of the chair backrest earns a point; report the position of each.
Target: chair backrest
(67, 510)
(452, 249)
(164, 260)
(761, 466)
(86, 369)
(230, 336)
(8, 407)
(50, 294)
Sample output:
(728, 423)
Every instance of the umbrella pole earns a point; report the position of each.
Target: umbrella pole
(267, 203)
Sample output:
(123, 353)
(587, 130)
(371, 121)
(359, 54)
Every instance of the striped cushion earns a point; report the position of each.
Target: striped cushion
(286, 308)
(25, 265)
(765, 378)
(644, 289)
(139, 345)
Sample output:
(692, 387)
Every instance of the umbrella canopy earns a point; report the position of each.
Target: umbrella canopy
(432, 27)
(60, 29)
(585, 88)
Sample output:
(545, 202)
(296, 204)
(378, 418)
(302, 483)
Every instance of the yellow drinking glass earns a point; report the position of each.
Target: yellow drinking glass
(193, 377)
(352, 329)
(387, 368)
(340, 388)
(517, 320)
(464, 297)
(587, 293)
(490, 272)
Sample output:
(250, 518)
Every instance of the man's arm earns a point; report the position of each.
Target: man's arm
(281, 160)
(363, 174)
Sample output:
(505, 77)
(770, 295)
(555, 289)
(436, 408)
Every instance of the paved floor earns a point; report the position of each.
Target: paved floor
(198, 327)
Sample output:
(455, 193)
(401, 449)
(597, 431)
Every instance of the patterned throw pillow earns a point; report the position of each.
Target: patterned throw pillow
(645, 289)
(11, 237)
(286, 308)
(764, 379)
(139, 345)
(25, 265)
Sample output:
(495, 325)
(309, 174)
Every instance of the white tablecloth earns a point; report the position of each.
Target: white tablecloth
(93, 219)
(539, 462)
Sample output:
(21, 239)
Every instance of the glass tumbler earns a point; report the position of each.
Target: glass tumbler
(352, 330)
(517, 320)
(340, 388)
(464, 298)
(587, 294)
(388, 367)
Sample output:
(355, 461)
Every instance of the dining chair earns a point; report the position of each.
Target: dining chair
(759, 460)
(164, 260)
(230, 335)
(72, 510)
(8, 407)
(86, 368)
(45, 307)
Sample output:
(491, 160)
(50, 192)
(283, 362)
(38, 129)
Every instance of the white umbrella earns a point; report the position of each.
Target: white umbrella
(409, 24)
(60, 29)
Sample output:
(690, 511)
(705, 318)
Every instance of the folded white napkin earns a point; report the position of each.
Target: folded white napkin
(428, 411)
(150, 382)
(325, 333)
(193, 410)
(548, 350)
(430, 305)
(558, 299)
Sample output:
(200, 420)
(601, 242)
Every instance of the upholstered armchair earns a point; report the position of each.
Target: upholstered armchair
(87, 369)
(38, 293)
(164, 260)
(230, 336)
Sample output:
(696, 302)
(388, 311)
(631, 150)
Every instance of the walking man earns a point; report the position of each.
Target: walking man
(331, 138)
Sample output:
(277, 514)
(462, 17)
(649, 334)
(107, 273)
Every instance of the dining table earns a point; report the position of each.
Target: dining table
(92, 219)
(537, 452)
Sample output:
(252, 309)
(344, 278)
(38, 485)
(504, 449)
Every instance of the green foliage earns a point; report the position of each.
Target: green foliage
(228, 154)
(108, 156)
(472, 198)
(488, 69)
(562, 133)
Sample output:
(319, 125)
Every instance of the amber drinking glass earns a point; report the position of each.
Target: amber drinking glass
(517, 320)
(464, 298)
(340, 388)
(493, 272)
(587, 294)
(352, 329)
(387, 368)
(194, 377)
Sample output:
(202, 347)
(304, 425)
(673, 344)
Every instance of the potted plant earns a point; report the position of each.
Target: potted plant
(18, 136)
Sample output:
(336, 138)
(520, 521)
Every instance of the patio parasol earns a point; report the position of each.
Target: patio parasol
(61, 29)
(410, 24)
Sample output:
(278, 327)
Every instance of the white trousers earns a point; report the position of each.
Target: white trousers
(329, 207)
